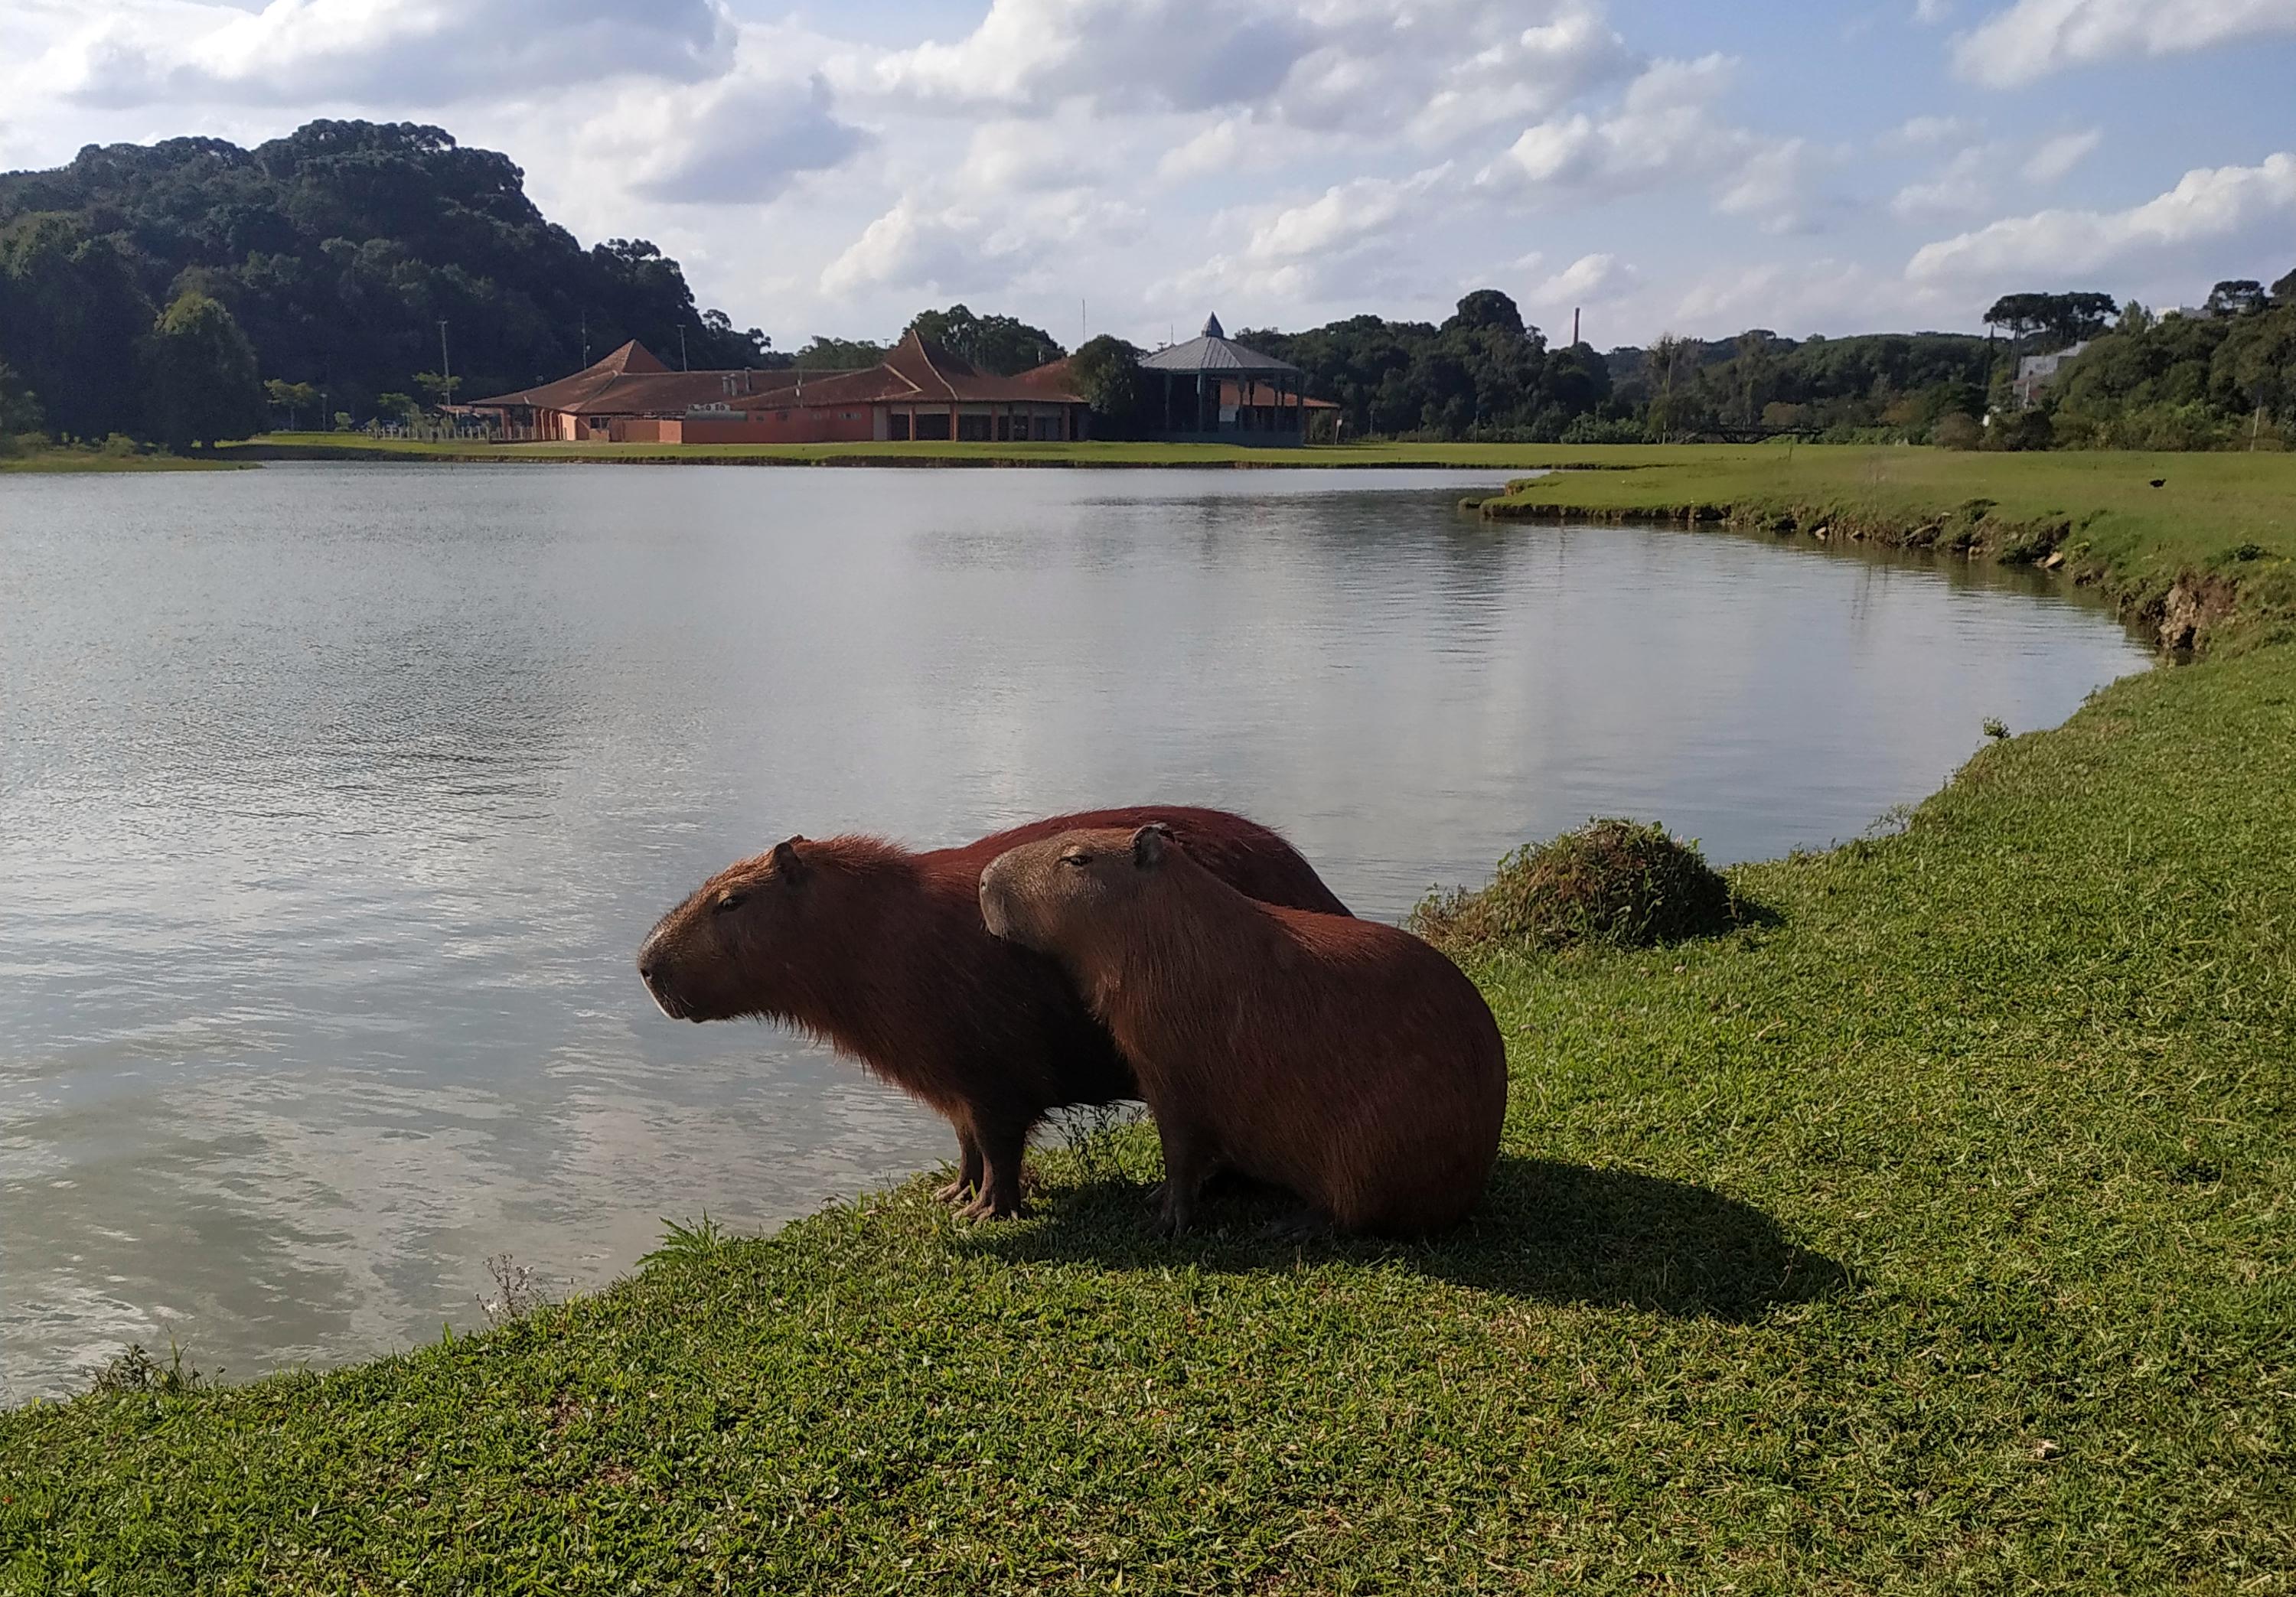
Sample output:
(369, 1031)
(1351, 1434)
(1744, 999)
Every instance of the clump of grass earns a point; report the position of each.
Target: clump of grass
(135, 1370)
(1611, 881)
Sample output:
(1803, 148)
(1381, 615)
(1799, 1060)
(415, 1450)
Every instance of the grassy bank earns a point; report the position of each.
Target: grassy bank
(69, 457)
(1502, 457)
(1934, 1234)
(2224, 525)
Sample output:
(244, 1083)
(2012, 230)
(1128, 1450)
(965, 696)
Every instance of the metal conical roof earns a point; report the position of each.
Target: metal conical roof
(1213, 351)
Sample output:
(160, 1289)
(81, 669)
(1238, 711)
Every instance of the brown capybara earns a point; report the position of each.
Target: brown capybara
(1342, 1059)
(880, 951)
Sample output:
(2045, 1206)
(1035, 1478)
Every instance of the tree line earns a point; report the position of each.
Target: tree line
(333, 254)
(192, 291)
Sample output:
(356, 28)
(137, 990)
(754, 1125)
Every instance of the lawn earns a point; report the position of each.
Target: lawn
(1934, 1232)
(1503, 457)
(67, 457)
(2210, 512)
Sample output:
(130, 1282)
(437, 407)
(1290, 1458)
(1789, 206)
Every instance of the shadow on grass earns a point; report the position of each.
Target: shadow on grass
(1550, 1231)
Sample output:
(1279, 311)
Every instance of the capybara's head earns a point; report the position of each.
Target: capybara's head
(1049, 894)
(720, 953)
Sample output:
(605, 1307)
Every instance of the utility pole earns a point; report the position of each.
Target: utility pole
(585, 340)
(681, 346)
(1574, 327)
(445, 366)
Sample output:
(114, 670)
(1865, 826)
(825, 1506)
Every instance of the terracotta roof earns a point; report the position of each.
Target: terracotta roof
(1212, 350)
(631, 382)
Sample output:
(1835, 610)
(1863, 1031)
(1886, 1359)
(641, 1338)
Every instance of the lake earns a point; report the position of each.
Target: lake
(335, 799)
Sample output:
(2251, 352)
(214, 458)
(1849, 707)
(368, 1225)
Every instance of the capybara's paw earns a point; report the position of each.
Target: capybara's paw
(1304, 1225)
(994, 1205)
(956, 1192)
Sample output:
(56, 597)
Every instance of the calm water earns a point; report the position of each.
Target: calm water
(333, 802)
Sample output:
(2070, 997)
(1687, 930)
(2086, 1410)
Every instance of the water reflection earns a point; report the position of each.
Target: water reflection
(333, 800)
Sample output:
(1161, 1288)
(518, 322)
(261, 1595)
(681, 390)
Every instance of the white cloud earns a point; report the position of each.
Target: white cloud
(739, 141)
(1919, 133)
(2207, 206)
(1772, 185)
(1443, 69)
(1340, 215)
(1958, 188)
(1663, 130)
(2058, 156)
(2033, 38)
(397, 51)
(957, 249)
(1585, 278)
(1666, 131)
(1929, 13)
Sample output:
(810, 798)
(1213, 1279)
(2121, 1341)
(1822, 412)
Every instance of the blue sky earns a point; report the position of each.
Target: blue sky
(1129, 164)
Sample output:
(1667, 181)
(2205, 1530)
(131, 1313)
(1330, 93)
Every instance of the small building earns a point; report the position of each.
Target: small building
(920, 391)
(1212, 390)
(2038, 372)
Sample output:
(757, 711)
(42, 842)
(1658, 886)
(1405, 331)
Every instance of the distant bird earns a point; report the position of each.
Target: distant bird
(2159, 482)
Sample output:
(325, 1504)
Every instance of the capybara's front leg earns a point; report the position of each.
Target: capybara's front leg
(968, 1168)
(1002, 1145)
(1189, 1157)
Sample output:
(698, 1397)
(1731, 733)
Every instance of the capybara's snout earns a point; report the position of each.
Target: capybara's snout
(997, 898)
(657, 969)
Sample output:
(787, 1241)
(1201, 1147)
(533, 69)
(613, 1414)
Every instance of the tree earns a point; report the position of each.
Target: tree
(1106, 373)
(1672, 360)
(202, 375)
(292, 397)
(337, 249)
(2236, 297)
(72, 316)
(1003, 345)
(393, 404)
(823, 354)
(2135, 318)
(2283, 292)
(440, 390)
(20, 407)
(2068, 318)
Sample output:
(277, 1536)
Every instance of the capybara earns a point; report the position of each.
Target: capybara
(1342, 1059)
(880, 951)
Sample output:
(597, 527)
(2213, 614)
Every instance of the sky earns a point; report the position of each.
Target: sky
(1130, 166)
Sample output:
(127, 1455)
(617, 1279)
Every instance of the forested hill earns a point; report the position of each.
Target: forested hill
(338, 249)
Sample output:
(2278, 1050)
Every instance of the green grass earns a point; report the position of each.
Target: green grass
(1936, 1231)
(66, 457)
(1504, 457)
(2232, 517)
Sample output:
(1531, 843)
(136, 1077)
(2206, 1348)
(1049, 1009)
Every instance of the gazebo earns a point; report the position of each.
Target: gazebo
(1215, 389)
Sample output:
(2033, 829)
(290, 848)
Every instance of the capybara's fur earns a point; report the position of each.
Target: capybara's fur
(880, 951)
(1344, 1059)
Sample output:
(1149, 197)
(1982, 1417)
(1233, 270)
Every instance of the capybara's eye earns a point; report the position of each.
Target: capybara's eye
(728, 901)
(1076, 859)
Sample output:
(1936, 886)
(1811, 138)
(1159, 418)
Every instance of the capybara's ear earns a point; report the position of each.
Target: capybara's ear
(789, 864)
(1150, 845)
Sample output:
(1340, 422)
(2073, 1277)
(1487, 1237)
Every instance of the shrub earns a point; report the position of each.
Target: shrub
(1958, 431)
(1611, 882)
(1593, 429)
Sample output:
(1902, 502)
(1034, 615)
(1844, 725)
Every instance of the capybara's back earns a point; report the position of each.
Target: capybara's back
(1344, 1059)
(1251, 859)
(881, 952)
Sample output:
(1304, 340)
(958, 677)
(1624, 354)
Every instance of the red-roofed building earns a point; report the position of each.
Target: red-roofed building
(920, 391)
